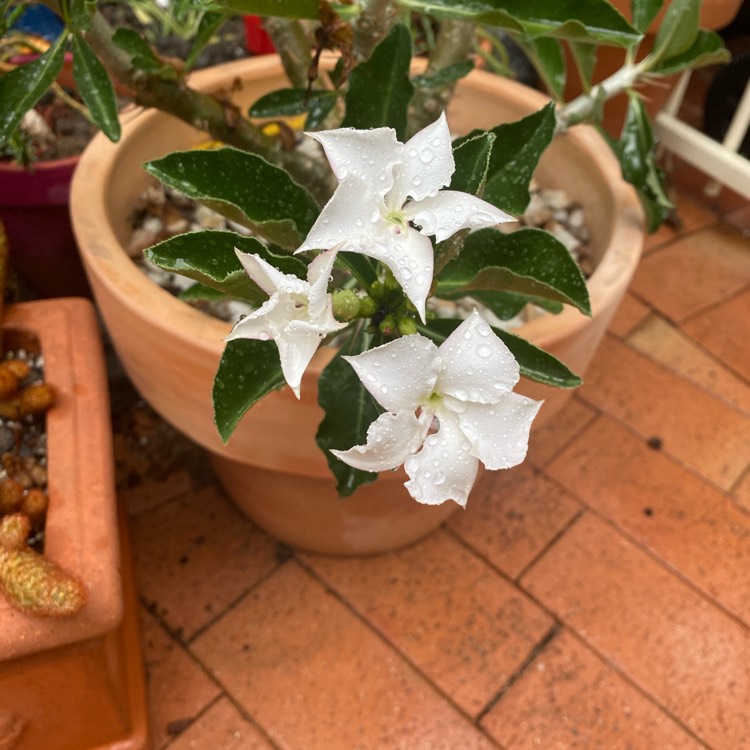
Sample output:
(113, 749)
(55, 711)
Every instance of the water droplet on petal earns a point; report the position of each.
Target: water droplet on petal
(426, 155)
(484, 351)
(439, 478)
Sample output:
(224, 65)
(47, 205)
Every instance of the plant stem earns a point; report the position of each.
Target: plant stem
(453, 45)
(292, 44)
(371, 26)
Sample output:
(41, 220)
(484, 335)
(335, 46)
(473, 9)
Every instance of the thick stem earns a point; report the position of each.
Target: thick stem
(454, 45)
(372, 25)
(292, 44)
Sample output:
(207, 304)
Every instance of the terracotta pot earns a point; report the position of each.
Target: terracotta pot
(715, 14)
(271, 465)
(74, 683)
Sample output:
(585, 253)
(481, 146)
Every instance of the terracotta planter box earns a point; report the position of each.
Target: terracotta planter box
(271, 465)
(74, 683)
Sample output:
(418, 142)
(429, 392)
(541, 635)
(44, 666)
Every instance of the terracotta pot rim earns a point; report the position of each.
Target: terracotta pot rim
(118, 269)
(45, 165)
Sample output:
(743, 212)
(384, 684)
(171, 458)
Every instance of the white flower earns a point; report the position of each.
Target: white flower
(467, 385)
(385, 187)
(297, 316)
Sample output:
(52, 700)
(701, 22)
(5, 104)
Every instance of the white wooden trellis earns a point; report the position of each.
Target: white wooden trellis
(718, 160)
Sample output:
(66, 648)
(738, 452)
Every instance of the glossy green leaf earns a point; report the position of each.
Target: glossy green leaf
(472, 158)
(78, 13)
(249, 369)
(201, 293)
(245, 188)
(95, 88)
(281, 8)
(209, 258)
(445, 77)
(349, 411)
(635, 150)
(546, 54)
(528, 261)
(707, 49)
(644, 11)
(678, 29)
(141, 54)
(535, 363)
(287, 102)
(507, 305)
(360, 266)
(584, 56)
(379, 88)
(515, 155)
(579, 20)
(22, 87)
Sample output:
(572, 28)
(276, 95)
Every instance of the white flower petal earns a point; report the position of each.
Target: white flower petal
(351, 219)
(295, 352)
(391, 439)
(411, 258)
(268, 277)
(257, 324)
(475, 364)
(427, 164)
(499, 433)
(400, 374)
(368, 155)
(444, 214)
(318, 276)
(444, 469)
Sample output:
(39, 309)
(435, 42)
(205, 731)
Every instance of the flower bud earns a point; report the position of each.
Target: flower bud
(407, 326)
(388, 325)
(346, 305)
(367, 307)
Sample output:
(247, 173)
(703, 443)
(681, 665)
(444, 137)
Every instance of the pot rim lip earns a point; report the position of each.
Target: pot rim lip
(114, 269)
(45, 165)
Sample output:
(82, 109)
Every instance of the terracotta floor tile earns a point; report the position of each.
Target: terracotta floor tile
(724, 332)
(460, 623)
(569, 698)
(222, 727)
(178, 689)
(665, 343)
(695, 272)
(690, 216)
(740, 219)
(631, 313)
(195, 556)
(741, 492)
(682, 519)
(695, 427)
(315, 677)
(150, 493)
(682, 650)
(549, 439)
(512, 516)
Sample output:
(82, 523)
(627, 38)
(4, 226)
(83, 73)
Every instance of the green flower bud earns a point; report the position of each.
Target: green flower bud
(367, 307)
(377, 290)
(388, 325)
(407, 326)
(346, 305)
(390, 282)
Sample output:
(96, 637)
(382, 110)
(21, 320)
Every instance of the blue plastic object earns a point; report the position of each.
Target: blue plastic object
(40, 21)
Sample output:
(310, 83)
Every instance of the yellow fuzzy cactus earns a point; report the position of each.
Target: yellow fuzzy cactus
(32, 583)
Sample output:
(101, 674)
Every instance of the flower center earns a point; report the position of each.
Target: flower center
(397, 218)
(300, 302)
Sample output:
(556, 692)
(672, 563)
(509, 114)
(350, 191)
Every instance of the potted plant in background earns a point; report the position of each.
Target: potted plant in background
(369, 100)
(70, 664)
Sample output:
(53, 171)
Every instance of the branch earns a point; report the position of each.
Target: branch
(292, 44)
(372, 25)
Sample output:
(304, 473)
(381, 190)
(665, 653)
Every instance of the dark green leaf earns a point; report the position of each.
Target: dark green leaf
(245, 188)
(507, 305)
(95, 88)
(361, 267)
(584, 56)
(209, 24)
(547, 56)
(707, 49)
(635, 151)
(444, 77)
(288, 102)
(644, 11)
(282, 8)
(22, 87)
(201, 293)
(141, 54)
(379, 88)
(529, 261)
(349, 411)
(472, 157)
(79, 13)
(678, 29)
(514, 160)
(249, 369)
(535, 363)
(209, 258)
(591, 21)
